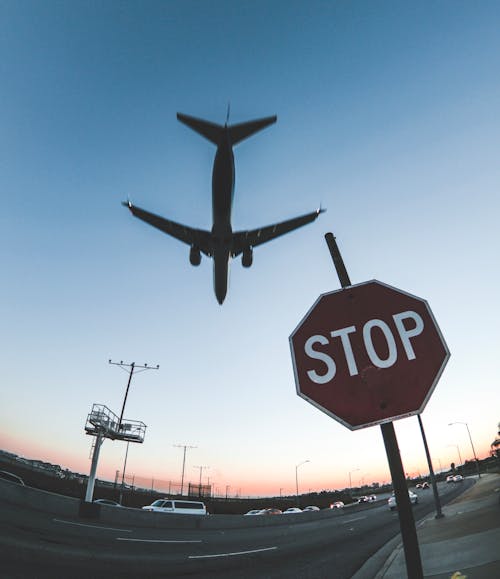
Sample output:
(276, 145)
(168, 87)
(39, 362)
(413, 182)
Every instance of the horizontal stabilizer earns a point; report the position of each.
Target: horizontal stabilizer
(244, 130)
(214, 132)
(209, 130)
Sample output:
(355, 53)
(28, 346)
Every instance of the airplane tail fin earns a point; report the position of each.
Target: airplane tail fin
(237, 133)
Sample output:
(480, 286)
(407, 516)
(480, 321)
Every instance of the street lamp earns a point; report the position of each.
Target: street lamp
(458, 450)
(297, 478)
(472, 445)
(350, 481)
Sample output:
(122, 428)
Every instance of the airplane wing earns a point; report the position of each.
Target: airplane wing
(197, 237)
(245, 239)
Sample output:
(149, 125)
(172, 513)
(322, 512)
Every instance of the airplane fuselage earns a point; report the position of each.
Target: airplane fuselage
(223, 178)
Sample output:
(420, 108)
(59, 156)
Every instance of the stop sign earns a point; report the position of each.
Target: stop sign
(368, 354)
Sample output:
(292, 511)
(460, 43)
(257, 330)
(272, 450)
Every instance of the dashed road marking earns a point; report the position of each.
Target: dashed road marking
(232, 554)
(158, 540)
(92, 526)
(352, 520)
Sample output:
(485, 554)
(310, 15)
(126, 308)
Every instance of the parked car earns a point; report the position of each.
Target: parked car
(177, 507)
(337, 505)
(292, 510)
(107, 502)
(425, 485)
(254, 512)
(449, 478)
(311, 508)
(11, 477)
(363, 499)
(372, 498)
(458, 478)
(391, 502)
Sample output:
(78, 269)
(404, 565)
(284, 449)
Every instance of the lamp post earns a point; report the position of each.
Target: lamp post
(297, 478)
(350, 481)
(458, 450)
(440, 465)
(472, 445)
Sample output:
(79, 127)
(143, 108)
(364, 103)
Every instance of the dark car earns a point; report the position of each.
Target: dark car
(11, 477)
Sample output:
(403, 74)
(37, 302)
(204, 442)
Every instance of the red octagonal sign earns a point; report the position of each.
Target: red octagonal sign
(368, 354)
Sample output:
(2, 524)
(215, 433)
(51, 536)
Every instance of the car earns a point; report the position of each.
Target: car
(363, 499)
(337, 505)
(107, 502)
(270, 511)
(292, 510)
(391, 501)
(418, 486)
(458, 478)
(311, 508)
(425, 485)
(449, 478)
(254, 512)
(11, 477)
(372, 498)
(177, 507)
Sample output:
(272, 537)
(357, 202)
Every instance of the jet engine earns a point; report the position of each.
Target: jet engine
(247, 257)
(194, 256)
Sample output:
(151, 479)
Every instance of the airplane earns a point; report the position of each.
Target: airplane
(221, 243)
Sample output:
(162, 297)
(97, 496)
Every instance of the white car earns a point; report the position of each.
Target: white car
(311, 508)
(292, 510)
(458, 478)
(254, 512)
(337, 505)
(177, 507)
(391, 502)
(449, 478)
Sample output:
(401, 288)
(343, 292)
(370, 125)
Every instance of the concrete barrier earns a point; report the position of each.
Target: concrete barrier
(69, 507)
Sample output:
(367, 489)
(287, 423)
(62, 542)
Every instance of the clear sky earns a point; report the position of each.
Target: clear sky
(388, 116)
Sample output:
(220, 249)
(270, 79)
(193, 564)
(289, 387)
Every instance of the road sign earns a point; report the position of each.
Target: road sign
(368, 354)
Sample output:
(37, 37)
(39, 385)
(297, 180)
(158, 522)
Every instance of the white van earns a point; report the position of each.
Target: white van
(177, 507)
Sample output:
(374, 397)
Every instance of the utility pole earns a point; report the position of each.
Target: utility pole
(133, 366)
(201, 470)
(185, 447)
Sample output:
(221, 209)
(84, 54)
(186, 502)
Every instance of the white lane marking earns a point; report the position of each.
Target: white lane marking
(231, 554)
(91, 526)
(157, 540)
(352, 520)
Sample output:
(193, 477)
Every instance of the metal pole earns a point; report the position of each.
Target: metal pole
(182, 478)
(472, 445)
(123, 474)
(473, 451)
(406, 520)
(93, 468)
(297, 479)
(132, 366)
(437, 502)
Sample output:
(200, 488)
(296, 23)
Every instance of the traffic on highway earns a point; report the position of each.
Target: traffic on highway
(42, 531)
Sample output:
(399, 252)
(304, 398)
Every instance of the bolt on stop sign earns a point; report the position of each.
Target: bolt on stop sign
(368, 354)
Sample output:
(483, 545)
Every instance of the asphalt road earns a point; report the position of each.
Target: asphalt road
(334, 544)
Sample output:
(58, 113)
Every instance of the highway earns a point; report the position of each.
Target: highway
(41, 541)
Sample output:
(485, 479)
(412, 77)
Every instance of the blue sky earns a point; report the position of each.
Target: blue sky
(388, 116)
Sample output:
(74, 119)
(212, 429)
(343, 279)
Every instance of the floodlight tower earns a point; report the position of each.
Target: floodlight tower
(103, 423)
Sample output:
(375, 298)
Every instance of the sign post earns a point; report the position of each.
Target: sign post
(370, 354)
